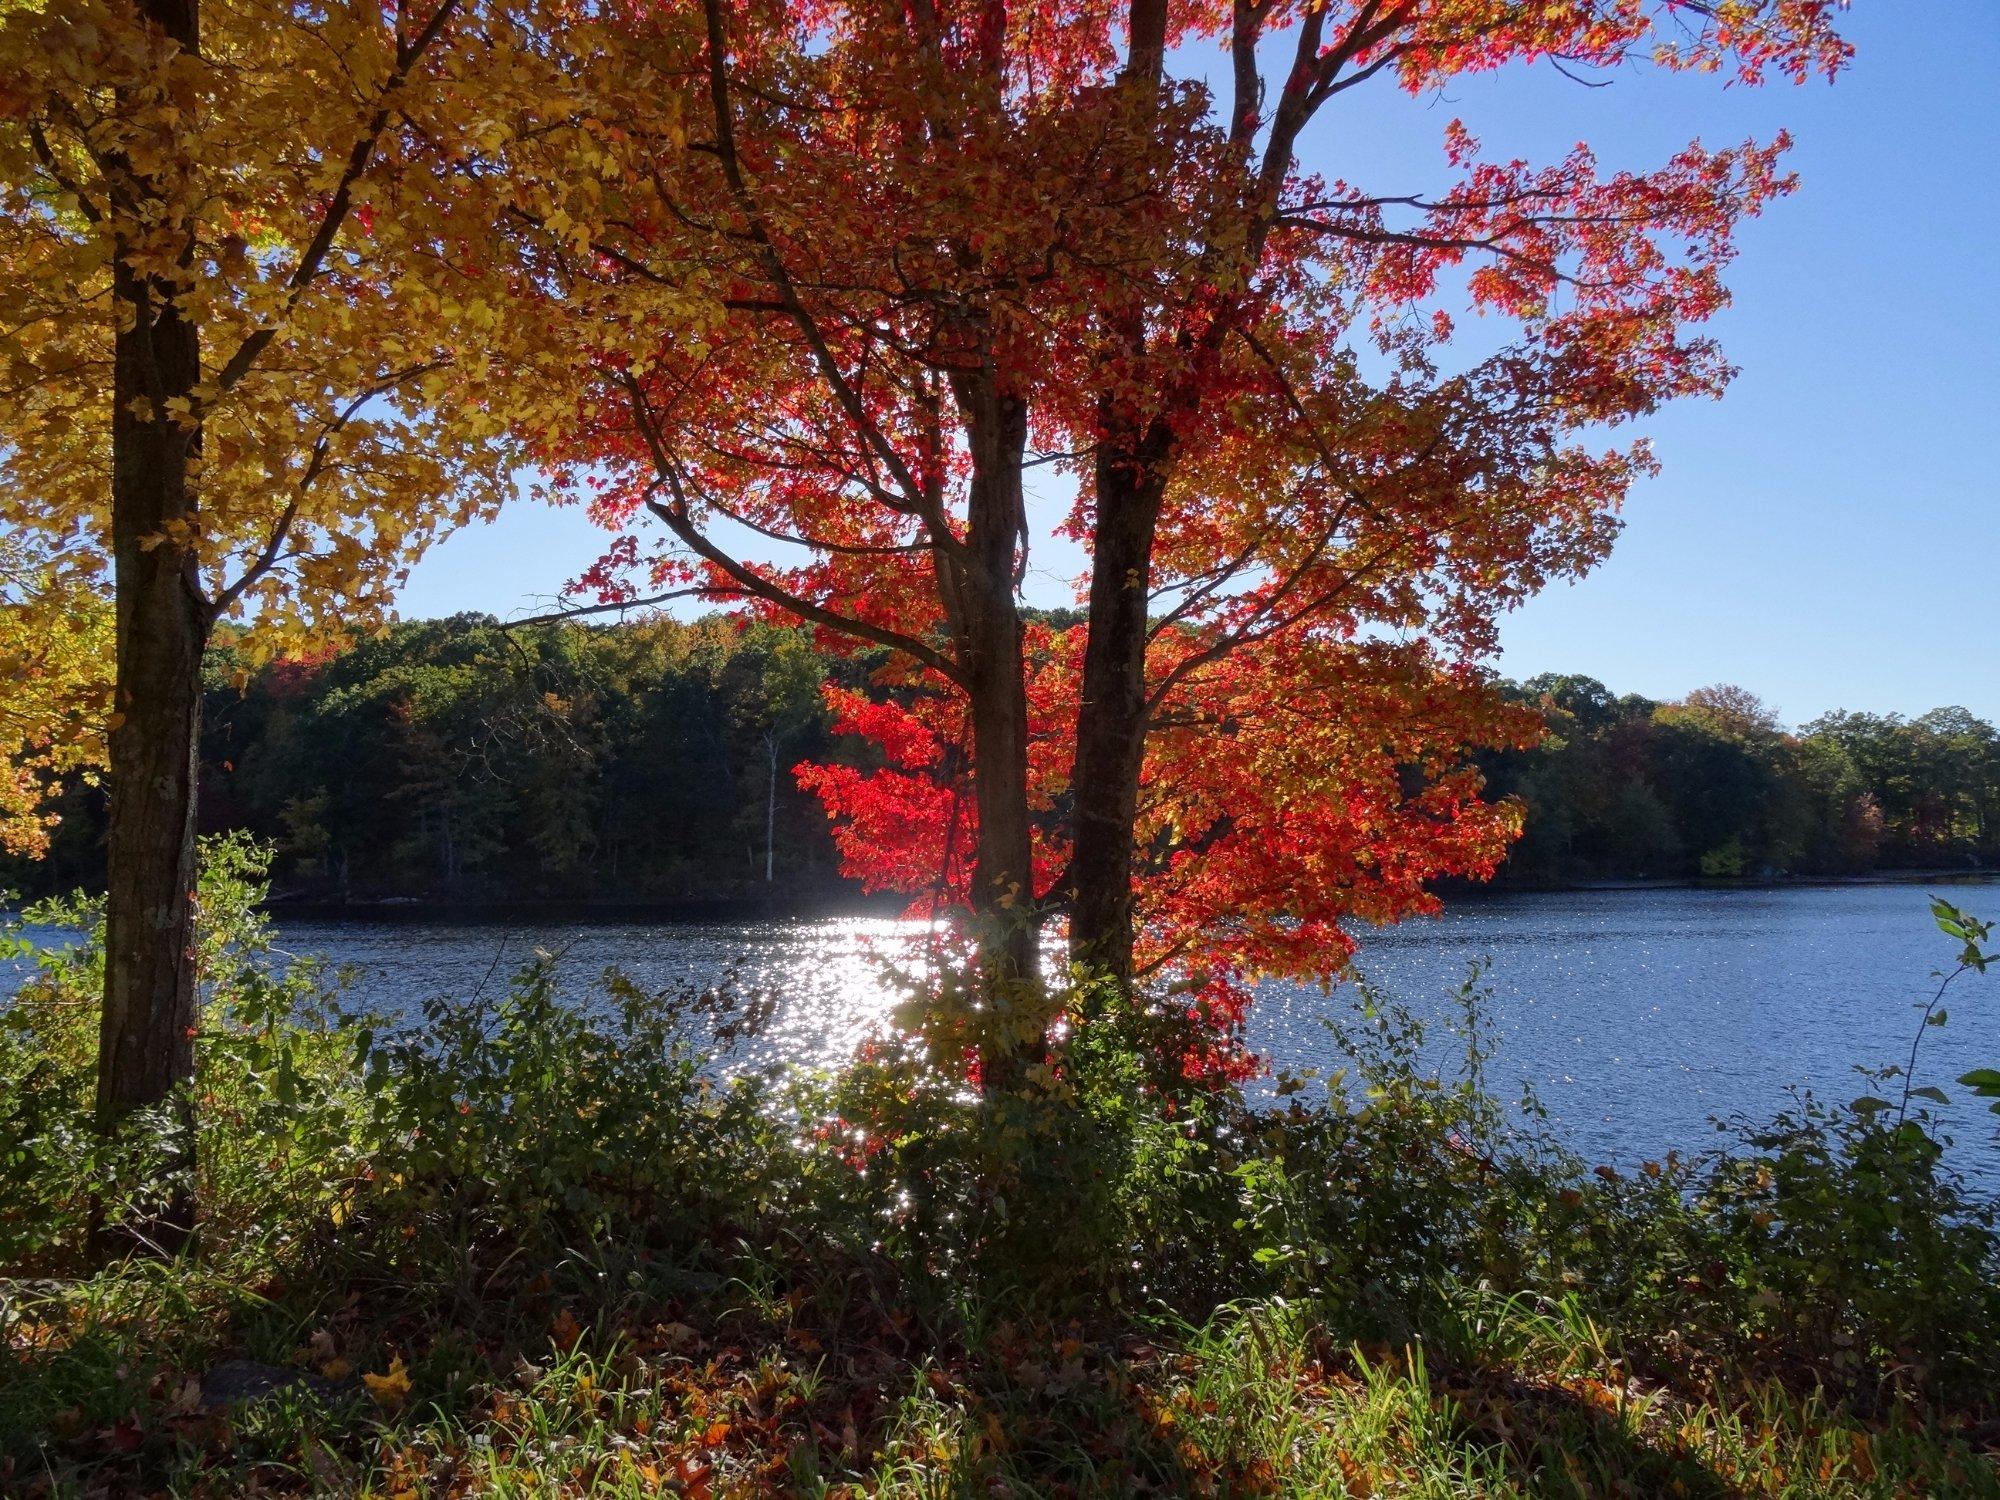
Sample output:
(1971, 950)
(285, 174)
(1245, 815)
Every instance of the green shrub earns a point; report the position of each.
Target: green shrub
(274, 1096)
(1831, 1243)
(537, 1128)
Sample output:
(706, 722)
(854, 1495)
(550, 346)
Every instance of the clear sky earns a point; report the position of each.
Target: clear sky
(1828, 535)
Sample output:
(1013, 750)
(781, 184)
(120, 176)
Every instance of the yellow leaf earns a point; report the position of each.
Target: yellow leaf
(389, 1389)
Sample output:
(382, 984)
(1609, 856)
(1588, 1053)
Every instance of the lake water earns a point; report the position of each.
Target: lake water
(1636, 1014)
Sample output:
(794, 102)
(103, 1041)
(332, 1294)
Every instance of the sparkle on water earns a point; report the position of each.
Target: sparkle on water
(1636, 1015)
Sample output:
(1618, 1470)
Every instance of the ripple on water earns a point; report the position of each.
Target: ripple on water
(1636, 1015)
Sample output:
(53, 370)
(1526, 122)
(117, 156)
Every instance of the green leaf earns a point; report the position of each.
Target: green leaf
(1868, 1104)
(1984, 1082)
(1928, 1092)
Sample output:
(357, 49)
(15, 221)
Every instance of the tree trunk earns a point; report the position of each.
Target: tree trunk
(1111, 721)
(1002, 879)
(980, 602)
(146, 1034)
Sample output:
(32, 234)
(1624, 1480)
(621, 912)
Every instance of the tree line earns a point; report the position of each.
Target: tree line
(457, 760)
(462, 760)
(1714, 786)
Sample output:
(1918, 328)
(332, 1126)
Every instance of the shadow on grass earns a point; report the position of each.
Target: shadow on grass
(777, 1379)
(691, 1383)
(1579, 1439)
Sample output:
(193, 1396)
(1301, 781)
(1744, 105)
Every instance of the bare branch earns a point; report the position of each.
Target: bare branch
(612, 606)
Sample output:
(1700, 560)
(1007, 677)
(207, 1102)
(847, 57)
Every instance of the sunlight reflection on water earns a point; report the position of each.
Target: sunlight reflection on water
(831, 979)
(1637, 1015)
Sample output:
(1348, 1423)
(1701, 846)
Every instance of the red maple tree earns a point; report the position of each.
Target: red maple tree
(949, 245)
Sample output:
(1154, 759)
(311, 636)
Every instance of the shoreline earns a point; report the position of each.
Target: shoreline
(1956, 876)
(680, 909)
(721, 909)
(807, 905)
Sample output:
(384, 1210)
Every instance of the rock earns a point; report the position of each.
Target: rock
(236, 1381)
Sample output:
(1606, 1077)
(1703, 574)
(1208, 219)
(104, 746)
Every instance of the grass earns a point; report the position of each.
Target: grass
(765, 1383)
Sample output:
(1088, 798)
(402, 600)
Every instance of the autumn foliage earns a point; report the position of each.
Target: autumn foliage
(305, 207)
(1267, 821)
(958, 251)
(52, 717)
(248, 296)
(836, 310)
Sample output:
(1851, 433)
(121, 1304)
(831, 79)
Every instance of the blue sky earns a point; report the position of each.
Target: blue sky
(1828, 535)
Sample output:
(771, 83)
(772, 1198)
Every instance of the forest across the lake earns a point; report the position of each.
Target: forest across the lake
(466, 760)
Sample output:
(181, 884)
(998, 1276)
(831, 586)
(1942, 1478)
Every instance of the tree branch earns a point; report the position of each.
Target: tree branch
(408, 54)
(679, 519)
(613, 606)
(315, 466)
(844, 392)
(47, 157)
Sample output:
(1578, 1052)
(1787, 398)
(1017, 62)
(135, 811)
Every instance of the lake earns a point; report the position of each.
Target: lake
(1636, 1014)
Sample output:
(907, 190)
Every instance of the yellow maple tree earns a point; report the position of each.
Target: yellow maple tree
(259, 347)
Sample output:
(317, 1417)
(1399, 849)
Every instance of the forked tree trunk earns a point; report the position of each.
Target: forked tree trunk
(146, 1034)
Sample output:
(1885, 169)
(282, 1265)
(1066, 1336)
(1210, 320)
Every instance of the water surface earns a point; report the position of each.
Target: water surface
(1636, 1015)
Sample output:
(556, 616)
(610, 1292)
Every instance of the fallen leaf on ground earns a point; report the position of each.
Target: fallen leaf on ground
(565, 1331)
(389, 1389)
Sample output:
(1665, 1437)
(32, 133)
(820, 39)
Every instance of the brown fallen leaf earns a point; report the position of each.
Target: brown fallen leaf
(565, 1330)
(678, 1336)
(693, 1475)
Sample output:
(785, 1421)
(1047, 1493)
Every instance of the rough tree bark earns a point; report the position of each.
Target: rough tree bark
(146, 1034)
(1130, 480)
(1111, 719)
(980, 603)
